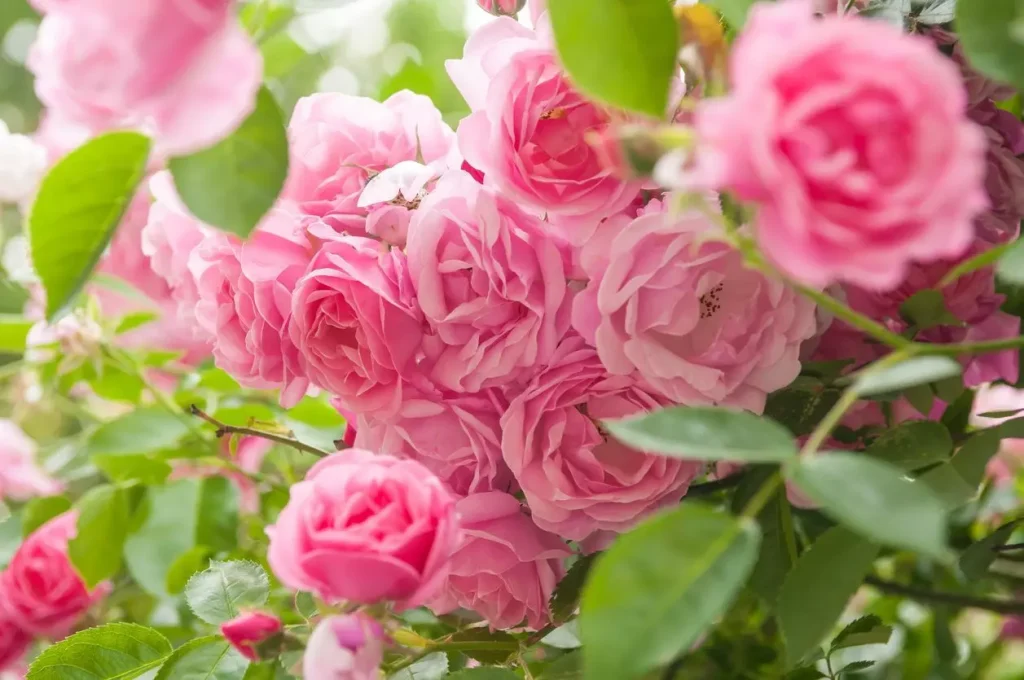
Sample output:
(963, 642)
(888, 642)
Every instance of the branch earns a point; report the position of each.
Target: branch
(955, 599)
(708, 488)
(225, 429)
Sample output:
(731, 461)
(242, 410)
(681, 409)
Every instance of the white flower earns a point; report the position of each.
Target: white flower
(407, 178)
(22, 166)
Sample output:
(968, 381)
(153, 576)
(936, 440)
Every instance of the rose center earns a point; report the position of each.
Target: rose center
(711, 302)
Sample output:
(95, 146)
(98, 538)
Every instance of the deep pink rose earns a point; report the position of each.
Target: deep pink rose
(852, 136)
(364, 528)
(491, 281)
(1004, 176)
(506, 569)
(576, 480)
(21, 478)
(244, 302)
(528, 126)
(184, 71)
(686, 316)
(457, 437)
(14, 642)
(338, 142)
(40, 588)
(356, 324)
(249, 629)
(349, 647)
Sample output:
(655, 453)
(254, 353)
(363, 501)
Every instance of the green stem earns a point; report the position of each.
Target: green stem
(788, 534)
(760, 499)
(940, 597)
(984, 347)
(869, 326)
(225, 429)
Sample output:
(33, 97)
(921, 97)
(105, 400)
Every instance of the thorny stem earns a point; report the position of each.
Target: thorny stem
(225, 429)
(940, 597)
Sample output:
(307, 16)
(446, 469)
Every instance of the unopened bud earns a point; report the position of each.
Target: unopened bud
(502, 8)
(249, 630)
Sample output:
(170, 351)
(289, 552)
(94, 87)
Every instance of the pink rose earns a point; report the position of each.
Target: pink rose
(1003, 467)
(491, 282)
(40, 588)
(686, 316)
(248, 630)
(184, 71)
(576, 480)
(856, 174)
(528, 126)
(506, 569)
(356, 323)
(338, 142)
(244, 303)
(344, 648)
(458, 438)
(14, 642)
(366, 528)
(499, 8)
(20, 476)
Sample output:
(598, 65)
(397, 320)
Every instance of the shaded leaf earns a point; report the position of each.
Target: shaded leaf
(913, 445)
(208, 658)
(219, 593)
(566, 597)
(913, 371)
(975, 561)
(927, 309)
(986, 35)
(39, 511)
(141, 431)
(103, 516)
(115, 651)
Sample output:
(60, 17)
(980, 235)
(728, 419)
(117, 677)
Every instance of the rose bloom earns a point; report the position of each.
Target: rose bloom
(685, 316)
(500, 8)
(854, 142)
(364, 528)
(40, 588)
(244, 302)
(338, 142)
(185, 72)
(1003, 467)
(249, 629)
(14, 642)
(356, 323)
(346, 647)
(491, 281)
(20, 477)
(506, 569)
(528, 126)
(576, 480)
(457, 437)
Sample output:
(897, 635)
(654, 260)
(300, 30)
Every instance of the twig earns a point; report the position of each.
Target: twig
(955, 599)
(708, 488)
(224, 429)
(1008, 547)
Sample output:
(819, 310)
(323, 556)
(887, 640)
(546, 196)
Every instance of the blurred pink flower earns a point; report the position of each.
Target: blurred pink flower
(21, 478)
(346, 647)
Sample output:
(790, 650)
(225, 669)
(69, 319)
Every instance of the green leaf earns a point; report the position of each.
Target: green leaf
(972, 459)
(13, 331)
(660, 586)
(975, 561)
(566, 667)
(1011, 265)
(927, 309)
(856, 666)
(620, 51)
(937, 12)
(132, 468)
(816, 591)
(484, 673)
(875, 499)
(566, 598)
(734, 11)
(141, 431)
(775, 558)
(222, 591)
(208, 658)
(130, 322)
(218, 514)
(186, 566)
(234, 183)
(486, 656)
(79, 204)
(706, 433)
(104, 514)
(800, 410)
(431, 667)
(913, 445)
(986, 31)
(867, 630)
(116, 651)
(914, 371)
(39, 511)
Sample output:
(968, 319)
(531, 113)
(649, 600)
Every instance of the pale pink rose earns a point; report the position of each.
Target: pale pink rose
(528, 126)
(356, 323)
(491, 281)
(14, 642)
(506, 569)
(576, 479)
(685, 316)
(21, 478)
(338, 142)
(349, 647)
(40, 588)
(1003, 467)
(250, 629)
(457, 437)
(856, 173)
(244, 302)
(500, 8)
(365, 528)
(184, 71)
